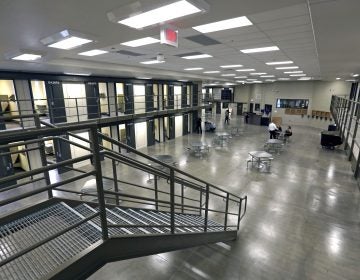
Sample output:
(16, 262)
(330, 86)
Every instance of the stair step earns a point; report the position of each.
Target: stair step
(177, 222)
(24, 232)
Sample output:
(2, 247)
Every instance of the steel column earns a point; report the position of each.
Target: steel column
(226, 211)
(116, 186)
(206, 208)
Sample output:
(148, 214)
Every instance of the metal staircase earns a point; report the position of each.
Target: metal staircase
(65, 237)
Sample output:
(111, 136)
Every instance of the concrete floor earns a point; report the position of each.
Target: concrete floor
(302, 222)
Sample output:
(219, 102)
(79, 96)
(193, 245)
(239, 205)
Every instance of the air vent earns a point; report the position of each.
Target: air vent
(188, 54)
(129, 53)
(203, 40)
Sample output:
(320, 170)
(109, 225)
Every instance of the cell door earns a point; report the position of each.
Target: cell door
(171, 97)
(62, 152)
(129, 98)
(54, 92)
(251, 107)
(149, 98)
(183, 96)
(130, 135)
(218, 108)
(239, 109)
(6, 166)
(150, 132)
(171, 127)
(92, 100)
(185, 124)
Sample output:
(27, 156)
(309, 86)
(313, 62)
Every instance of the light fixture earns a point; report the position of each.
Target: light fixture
(293, 72)
(193, 69)
(350, 80)
(264, 49)
(240, 82)
(270, 80)
(304, 78)
(77, 74)
(279, 62)
(267, 76)
(283, 79)
(159, 15)
(228, 75)
(184, 81)
(211, 72)
(355, 75)
(287, 67)
(257, 74)
(141, 42)
(223, 24)
(143, 78)
(152, 62)
(240, 77)
(229, 84)
(231, 66)
(197, 56)
(245, 70)
(93, 52)
(338, 78)
(27, 57)
(66, 40)
(297, 75)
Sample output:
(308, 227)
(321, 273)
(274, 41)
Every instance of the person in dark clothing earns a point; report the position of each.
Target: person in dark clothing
(227, 117)
(198, 126)
(246, 118)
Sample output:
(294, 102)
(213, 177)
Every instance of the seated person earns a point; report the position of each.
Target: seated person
(288, 131)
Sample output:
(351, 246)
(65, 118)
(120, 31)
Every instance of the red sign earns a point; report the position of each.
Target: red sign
(169, 36)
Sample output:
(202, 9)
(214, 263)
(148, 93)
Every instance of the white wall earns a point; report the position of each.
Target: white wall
(177, 97)
(75, 94)
(140, 135)
(317, 92)
(178, 126)
(139, 99)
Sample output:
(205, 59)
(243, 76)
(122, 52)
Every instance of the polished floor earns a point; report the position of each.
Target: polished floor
(302, 222)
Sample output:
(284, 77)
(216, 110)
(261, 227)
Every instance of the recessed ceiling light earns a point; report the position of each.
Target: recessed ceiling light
(279, 62)
(264, 49)
(27, 57)
(183, 81)
(240, 77)
(284, 79)
(231, 66)
(270, 80)
(193, 69)
(257, 74)
(77, 74)
(162, 14)
(304, 79)
(93, 52)
(293, 72)
(197, 56)
(141, 42)
(229, 84)
(240, 81)
(287, 67)
(297, 75)
(152, 62)
(338, 78)
(70, 43)
(245, 70)
(143, 78)
(211, 72)
(350, 80)
(228, 75)
(223, 25)
(267, 76)
(355, 75)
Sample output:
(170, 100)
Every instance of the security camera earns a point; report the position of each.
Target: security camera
(160, 57)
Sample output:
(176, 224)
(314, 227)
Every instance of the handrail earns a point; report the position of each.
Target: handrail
(122, 145)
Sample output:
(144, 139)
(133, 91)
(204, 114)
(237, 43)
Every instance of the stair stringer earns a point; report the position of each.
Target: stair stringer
(127, 247)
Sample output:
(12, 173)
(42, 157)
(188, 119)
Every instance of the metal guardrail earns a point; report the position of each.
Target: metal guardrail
(200, 199)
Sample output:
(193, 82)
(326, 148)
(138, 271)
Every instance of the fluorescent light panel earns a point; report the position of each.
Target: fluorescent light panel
(245, 70)
(267, 76)
(257, 74)
(193, 69)
(293, 72)
(338, 78)
(77, 74)
(93, 52)
(70, 43)
(141, 42)
(198, 56)
(304, 79)
(284, 79)
(211, 72)
(297, 75)
(231, 66)
(264, 49)
(152, 62)
(228, 75)
(355, 75)
(287, 67)
(279, 62)
(223, 25)
(27, 57)
(240, 77)
(162, 14)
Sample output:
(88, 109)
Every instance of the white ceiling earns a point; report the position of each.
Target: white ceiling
(320, 37)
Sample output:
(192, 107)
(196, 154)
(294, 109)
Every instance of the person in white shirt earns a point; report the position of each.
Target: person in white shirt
(272, 129)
